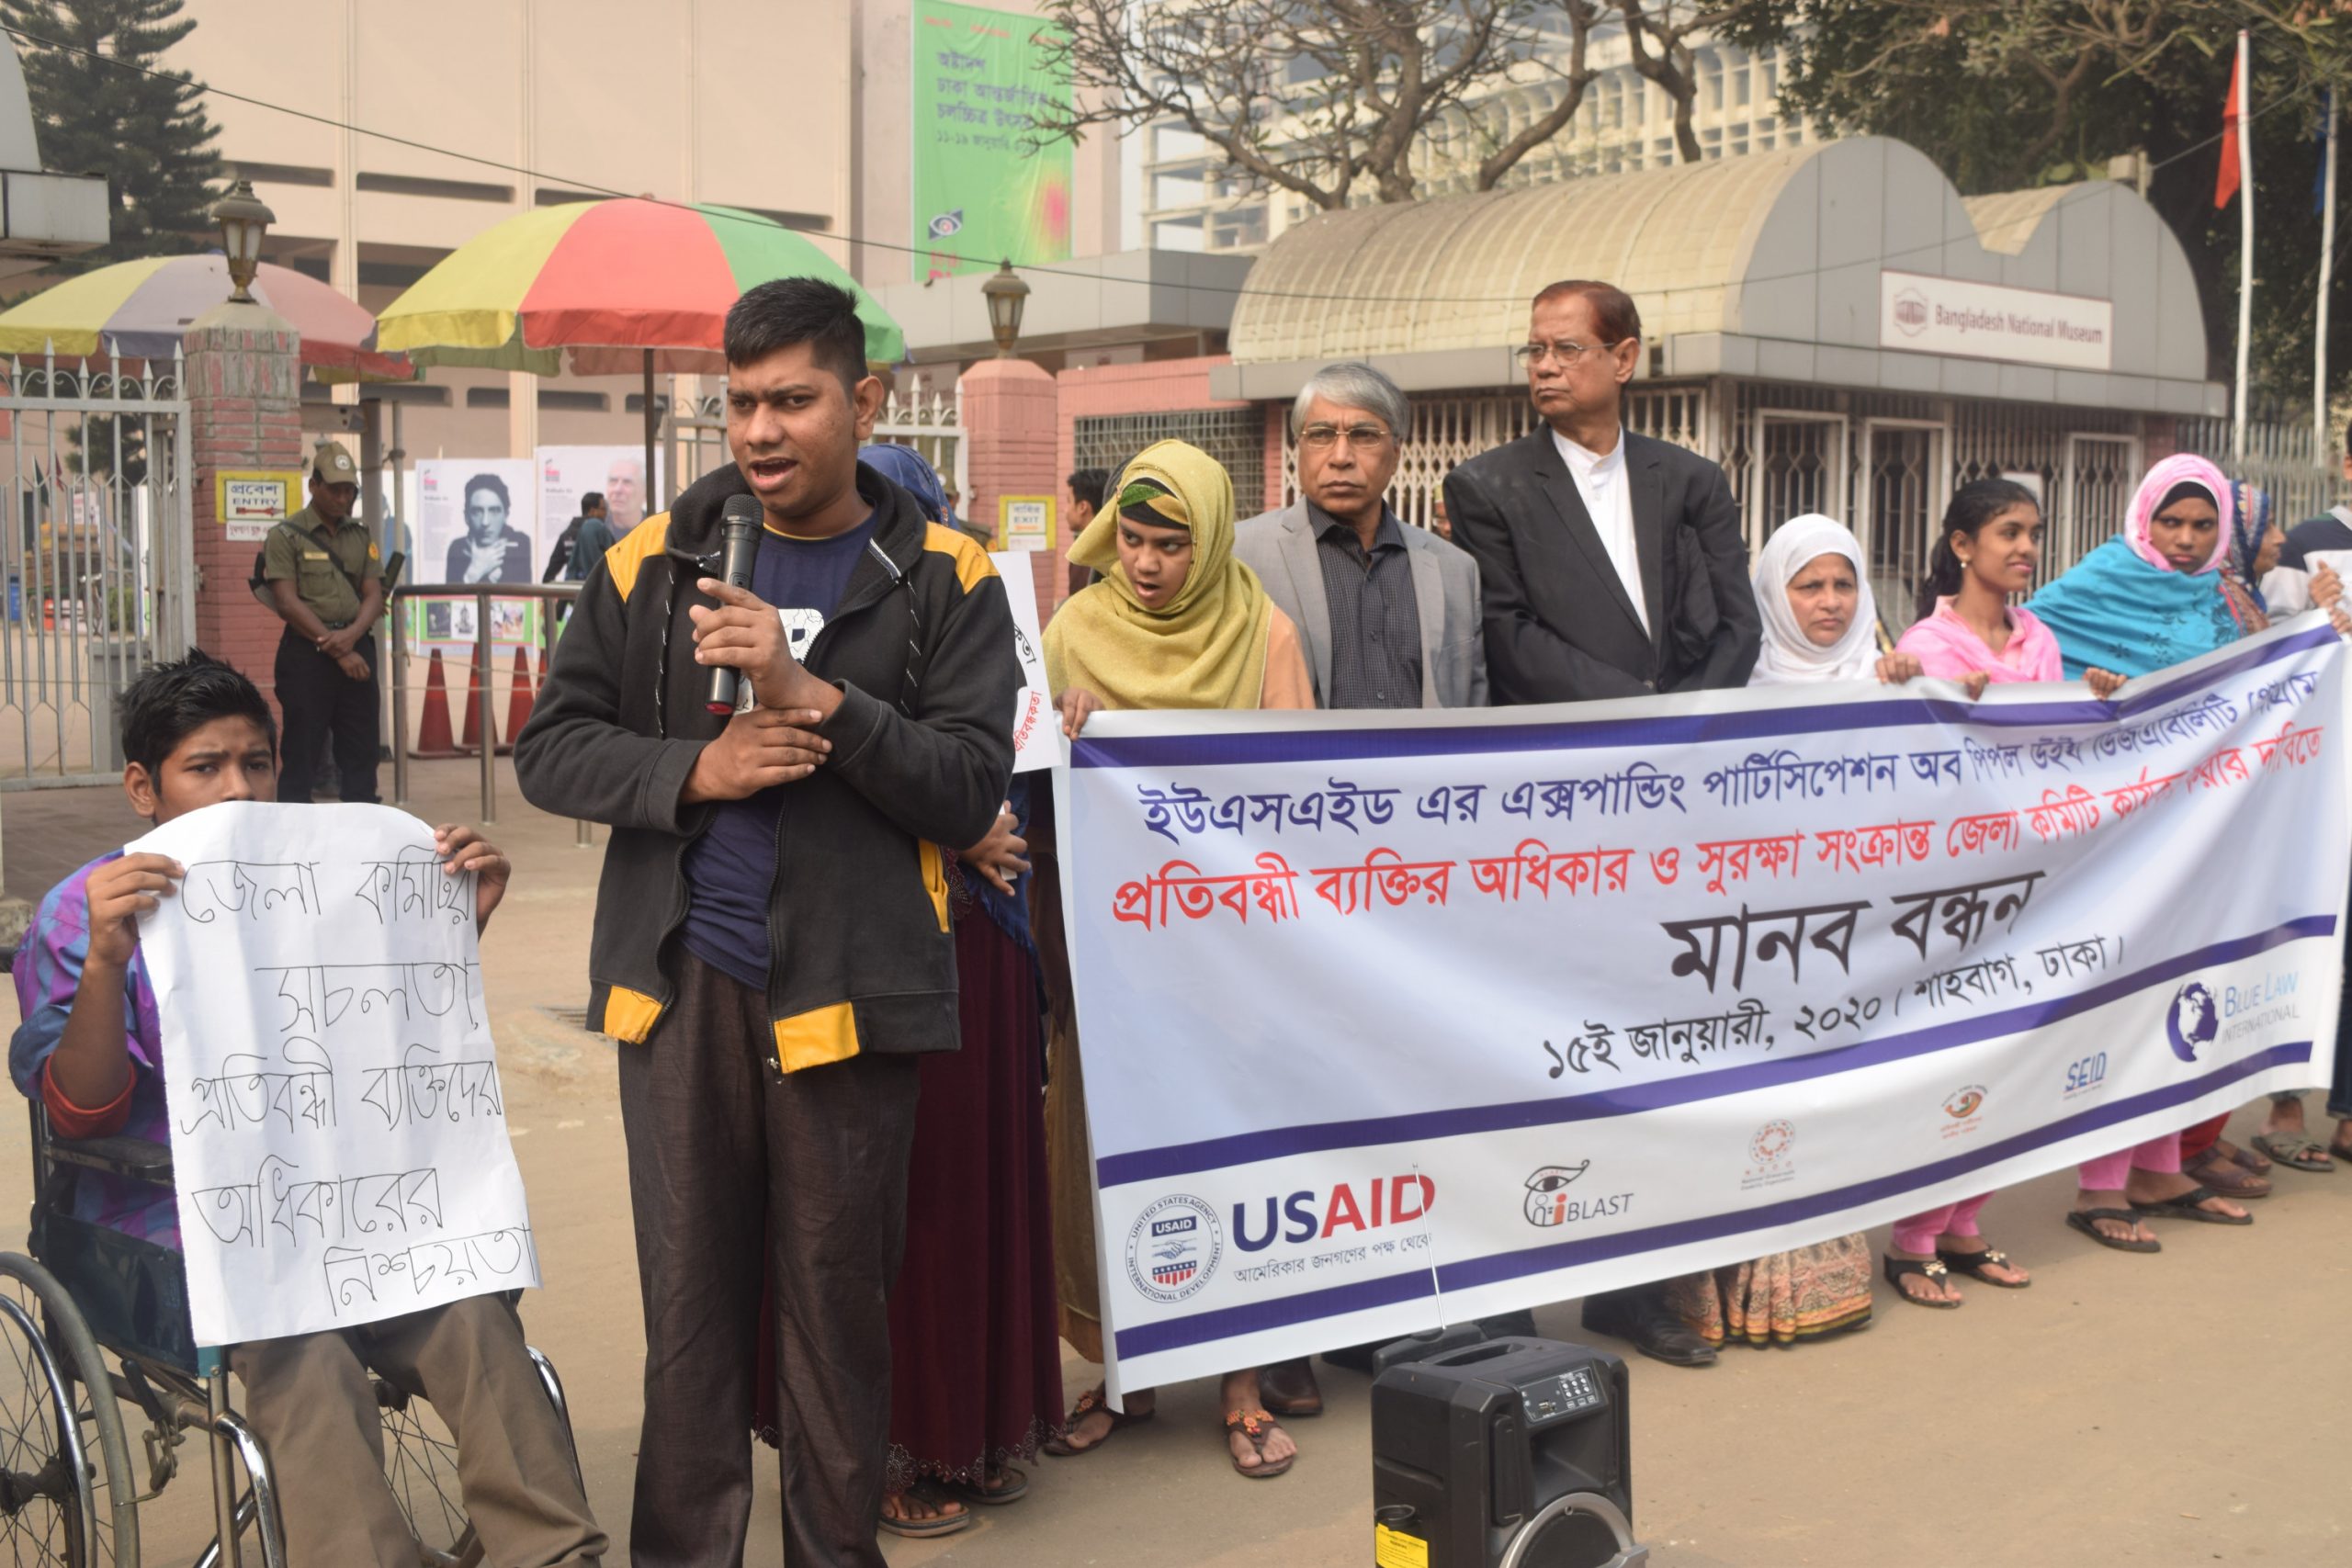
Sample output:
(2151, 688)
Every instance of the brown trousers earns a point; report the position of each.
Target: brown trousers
(310, 1398)
(731, 1160)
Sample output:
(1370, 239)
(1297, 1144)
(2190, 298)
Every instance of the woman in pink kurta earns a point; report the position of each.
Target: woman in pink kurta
(1969, 632)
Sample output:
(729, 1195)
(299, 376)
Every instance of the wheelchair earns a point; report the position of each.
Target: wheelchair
(69, 1494)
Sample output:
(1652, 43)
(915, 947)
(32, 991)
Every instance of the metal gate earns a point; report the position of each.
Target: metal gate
(97, 554)
(921, 414)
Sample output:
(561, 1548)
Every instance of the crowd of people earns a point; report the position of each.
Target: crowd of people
(828, 939)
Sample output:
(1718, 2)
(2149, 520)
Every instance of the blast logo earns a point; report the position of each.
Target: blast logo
(1352, 1207)
(1961, 1106)
(1547, 1204)
(1172, 1249)
(1771, 1156)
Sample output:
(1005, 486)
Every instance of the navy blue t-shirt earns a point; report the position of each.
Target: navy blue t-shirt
(731, 869)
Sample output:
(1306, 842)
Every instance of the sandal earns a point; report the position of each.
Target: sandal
(1973, 1265)
(1901, 1268)
(938, 1524)
(2253, 1160)
(1256, 1425)
(1093, 1399)
(2084, 1221)
(1014, 1485)
(2226, 1176)
(2185, 1206)
(2296, 1152)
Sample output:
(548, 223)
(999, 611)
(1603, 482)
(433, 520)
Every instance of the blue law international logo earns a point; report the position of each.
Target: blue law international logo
(1172, 1249)
(2194, 1020)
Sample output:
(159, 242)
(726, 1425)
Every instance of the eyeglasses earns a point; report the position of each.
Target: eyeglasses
(1531, 353)
(1323, 437)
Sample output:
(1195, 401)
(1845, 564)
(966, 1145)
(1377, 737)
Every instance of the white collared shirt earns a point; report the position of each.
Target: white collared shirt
(1608, 500)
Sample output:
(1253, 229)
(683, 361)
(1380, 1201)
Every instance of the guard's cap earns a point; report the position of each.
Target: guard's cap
(334, 466)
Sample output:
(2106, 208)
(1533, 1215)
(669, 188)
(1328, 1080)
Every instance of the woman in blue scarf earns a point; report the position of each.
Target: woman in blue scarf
(2151, 598)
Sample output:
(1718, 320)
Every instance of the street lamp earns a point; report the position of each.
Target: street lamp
(1006, 295)
(243, 218)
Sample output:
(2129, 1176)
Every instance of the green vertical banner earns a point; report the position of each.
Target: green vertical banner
(980, 192)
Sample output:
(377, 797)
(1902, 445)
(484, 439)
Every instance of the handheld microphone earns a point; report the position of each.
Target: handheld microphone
(739, 531)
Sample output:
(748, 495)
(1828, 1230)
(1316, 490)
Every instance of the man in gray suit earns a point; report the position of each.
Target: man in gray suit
(1389, 613)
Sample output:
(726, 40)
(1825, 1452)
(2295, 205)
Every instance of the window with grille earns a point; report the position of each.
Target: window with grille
(1234, 437)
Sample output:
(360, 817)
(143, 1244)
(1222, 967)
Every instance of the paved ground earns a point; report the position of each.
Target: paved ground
(2175, 1410)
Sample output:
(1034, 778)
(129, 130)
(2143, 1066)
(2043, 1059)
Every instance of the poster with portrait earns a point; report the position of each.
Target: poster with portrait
(618, 473)
(477, 521)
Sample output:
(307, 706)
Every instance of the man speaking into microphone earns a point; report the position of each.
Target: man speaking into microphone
(771, 945)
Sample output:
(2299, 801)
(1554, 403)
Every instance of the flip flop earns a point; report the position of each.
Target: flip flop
(1058, 1445)
(1256, 1424)
(2226, 1177)
(2082, 1220)
(938, 1524)
(2185, 1207)
(1900, 1268)
(2253, 1160)
(1973, 1265)
(2296, 1152)
(1015, 1487)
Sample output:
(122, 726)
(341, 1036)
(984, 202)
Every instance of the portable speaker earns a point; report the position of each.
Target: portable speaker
(1507, 1453)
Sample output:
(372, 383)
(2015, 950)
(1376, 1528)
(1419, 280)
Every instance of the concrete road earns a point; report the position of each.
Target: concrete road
(2175, 1410)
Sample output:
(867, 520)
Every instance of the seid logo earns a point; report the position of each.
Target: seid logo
(1172, 1249)
(2193, 1020)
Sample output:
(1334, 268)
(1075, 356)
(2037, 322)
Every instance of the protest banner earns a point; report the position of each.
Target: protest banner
(1390, 1020)
(338, 1130)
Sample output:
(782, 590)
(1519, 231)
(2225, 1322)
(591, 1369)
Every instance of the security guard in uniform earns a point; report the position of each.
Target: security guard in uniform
(324, 572)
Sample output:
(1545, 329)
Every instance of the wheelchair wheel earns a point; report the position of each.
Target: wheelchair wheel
(421, 1467)
(67, 1494)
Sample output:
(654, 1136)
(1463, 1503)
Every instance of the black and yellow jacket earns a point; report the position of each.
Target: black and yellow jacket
(922, 646)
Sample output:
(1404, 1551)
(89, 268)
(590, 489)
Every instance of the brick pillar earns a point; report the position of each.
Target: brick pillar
(245, 406)
(1010, 419)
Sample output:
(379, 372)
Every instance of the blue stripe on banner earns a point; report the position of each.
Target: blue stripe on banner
(1172, 1334)
(1355, 745)
(1214, 1154)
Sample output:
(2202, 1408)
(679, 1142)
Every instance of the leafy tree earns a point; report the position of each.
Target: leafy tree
(148, 134)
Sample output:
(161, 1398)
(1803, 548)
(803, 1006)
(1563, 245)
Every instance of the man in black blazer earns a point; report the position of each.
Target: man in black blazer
(1652, 595)
(1610, 565)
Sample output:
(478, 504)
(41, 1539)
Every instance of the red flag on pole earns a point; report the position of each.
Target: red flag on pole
(2225, 182)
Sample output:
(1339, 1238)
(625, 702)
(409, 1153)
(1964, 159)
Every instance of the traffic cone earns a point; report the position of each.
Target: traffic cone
(518, 702)
(543, 669)
(433, 738)
(469, 738)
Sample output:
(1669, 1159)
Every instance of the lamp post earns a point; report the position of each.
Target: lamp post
(1006, 296)
(243, 218)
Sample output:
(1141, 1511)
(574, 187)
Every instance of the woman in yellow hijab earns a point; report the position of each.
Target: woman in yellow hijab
(1174, 621)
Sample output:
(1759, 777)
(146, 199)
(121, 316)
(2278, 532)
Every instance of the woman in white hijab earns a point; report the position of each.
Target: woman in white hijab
(1820, 617)
(1820, 624)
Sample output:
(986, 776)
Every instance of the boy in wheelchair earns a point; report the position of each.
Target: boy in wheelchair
(195, 733)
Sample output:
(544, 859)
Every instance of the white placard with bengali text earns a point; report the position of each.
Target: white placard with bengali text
(1396, 1018)
(1991, 321)
(1037, 734)
(337, 1125)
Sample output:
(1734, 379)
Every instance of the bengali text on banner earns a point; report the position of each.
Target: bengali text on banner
(1396, 1019)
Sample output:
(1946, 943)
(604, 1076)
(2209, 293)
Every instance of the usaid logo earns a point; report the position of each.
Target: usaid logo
(1172, 1249)
(1911, 313)
(1310, 1215)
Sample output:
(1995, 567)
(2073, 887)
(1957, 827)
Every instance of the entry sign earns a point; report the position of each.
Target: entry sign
(248, 501)
(1990, 321)
(1024, 523)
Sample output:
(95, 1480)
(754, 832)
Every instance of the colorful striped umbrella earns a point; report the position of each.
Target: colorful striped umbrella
(140, 310)
(593, 285)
